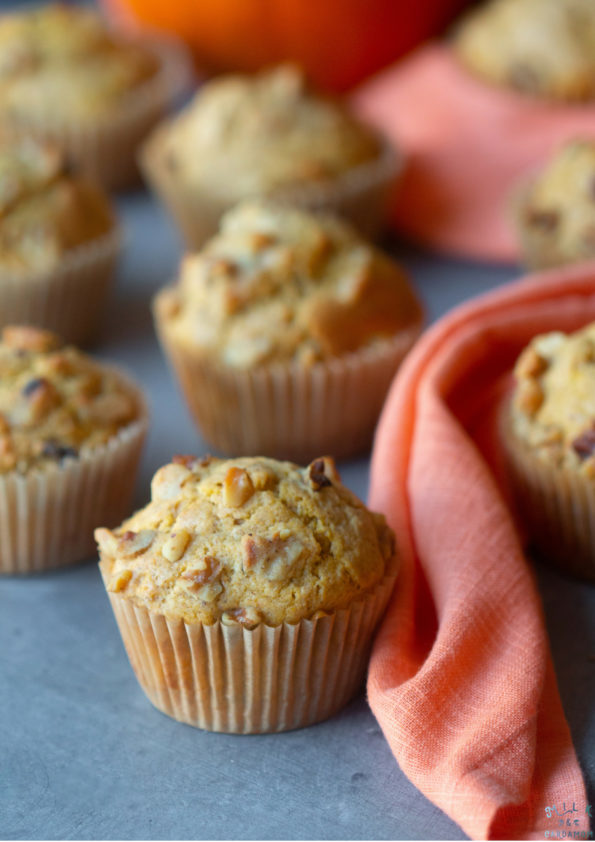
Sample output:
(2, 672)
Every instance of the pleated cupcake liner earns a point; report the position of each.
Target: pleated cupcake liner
(240, 681)
(105, 149)
(288, 411)
(69, 299)
(555, 503)
(47, 515)
(362, 195)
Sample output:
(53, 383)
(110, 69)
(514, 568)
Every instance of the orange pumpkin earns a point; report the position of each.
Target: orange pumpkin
(338, 42)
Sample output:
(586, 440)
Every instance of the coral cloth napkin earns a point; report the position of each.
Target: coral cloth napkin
(461, 679)
(467, 145)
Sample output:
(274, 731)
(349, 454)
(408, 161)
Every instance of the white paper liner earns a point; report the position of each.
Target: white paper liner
(240, 681)
(361, 195)
(70, 299)
(47, 516)
(556, 504)
(105, 149)
(291, 411)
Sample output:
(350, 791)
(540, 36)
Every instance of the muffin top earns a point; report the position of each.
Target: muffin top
(556, 218)
(44, 210)
(553, 408)
(246, 541)
(248, 135)
(59, 61)
(55, 402)
(543, 48)
(279, 284)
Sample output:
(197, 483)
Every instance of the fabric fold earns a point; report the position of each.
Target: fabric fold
(461, 679)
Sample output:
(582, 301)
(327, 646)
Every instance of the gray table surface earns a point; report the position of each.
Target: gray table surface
(83, 755)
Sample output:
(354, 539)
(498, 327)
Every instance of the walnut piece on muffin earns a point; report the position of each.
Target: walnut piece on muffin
(544, 48)
(279, 285)
(247, 541)
(55, 402)
(555, 216)
(45, 211)
(251, 135)
(62, 61)
(553, 407)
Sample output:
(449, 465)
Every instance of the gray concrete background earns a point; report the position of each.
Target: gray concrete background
(83, 755)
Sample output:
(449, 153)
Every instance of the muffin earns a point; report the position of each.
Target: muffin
(71, 432)
(248, 590)
(543, 48)
(65, 76)
(285, 332)
(549, 444)
(58, 241)
(555, 215)
(267, 135)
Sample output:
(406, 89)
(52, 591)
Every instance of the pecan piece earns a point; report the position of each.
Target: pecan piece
(204, 572)
(134, 543)
(237, 487)
(175, 546)
(584, 444)
(247, 617)
(321, 473)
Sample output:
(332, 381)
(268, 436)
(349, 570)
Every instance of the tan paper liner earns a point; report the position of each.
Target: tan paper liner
(289, 411)
(240, 681)
(47, 516)
(105, 149)
(361, 195)
(556, 504)
(69, 299)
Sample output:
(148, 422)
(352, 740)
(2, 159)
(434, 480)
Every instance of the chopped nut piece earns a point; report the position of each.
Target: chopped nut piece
(531, 364)
(262, 477)
(135, 543)
(277, 556)
(168, 481)
(121, 581)
(175, 546)
(321, 472)
(247, 617)
(203, 572)
(547, 220)
(529, 396)
(30, 339)
(238, 487)
(187, 460)
(108, 542)
(584, 445)
(41, 395)
(210, 592)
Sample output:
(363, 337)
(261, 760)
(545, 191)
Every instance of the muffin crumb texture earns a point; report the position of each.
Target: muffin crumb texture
(553, 408)
(61, 62)
(556, 218)
(543, 48)
(279, 284)
(55, 402)
(246, 135)
(246, 541)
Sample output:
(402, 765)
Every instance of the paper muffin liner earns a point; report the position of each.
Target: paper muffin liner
(47, 515)
(290, 411)
(240, 681)
(69, 299)
(105, 149)
(555, 503)
(361, 195)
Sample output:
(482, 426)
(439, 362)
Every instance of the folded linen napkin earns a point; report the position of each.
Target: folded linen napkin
(467, 145)
(461, 679)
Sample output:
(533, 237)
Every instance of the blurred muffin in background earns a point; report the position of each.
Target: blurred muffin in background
(543, 48)
(285, 332)
(555, 214)
(269, 134)
(59, 241)
(65, 76)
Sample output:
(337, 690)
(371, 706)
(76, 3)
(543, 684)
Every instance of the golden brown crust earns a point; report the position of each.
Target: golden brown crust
(246, 540)
(55, 401)
(280, 284)
(543, 48)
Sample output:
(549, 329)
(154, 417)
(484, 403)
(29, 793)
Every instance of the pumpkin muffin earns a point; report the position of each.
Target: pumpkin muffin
(543, 48)
(71, 431)
(555, 216)
(58, 241)
(269, 577)
(285, 332)
(549, 439)
(268, 134)
(64, 75)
